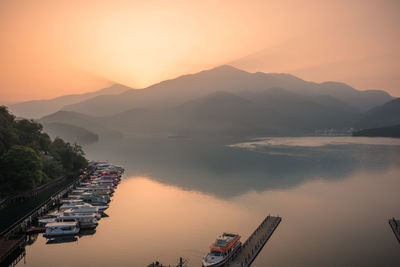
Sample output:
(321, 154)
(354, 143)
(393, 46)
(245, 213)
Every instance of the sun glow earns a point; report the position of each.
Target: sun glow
(51, 48)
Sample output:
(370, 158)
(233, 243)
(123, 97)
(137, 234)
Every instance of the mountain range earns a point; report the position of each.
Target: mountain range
(38, 108)
(222, 101)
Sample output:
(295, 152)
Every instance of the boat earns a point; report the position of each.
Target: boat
(71, 201)
(85, 221)
(61, 229)
(48, 218)
(222, 250)
(95, 200)
(83, 208)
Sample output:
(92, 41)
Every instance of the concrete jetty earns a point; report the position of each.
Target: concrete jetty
(254, 244)
(395, 224)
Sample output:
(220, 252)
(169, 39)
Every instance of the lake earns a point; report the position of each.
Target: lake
(334, 194)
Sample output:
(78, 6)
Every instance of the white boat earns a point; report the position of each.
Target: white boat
(83, 208)
(85, 221)
(48, 218)
(61, 229)
(71, 201)
(72, 212)
(222, 250)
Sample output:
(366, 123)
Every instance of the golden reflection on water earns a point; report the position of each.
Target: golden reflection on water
(324, 223)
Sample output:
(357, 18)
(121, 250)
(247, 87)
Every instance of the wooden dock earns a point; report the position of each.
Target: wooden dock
(254, 244)
(13, 238)
(395, 224)
(9, 247)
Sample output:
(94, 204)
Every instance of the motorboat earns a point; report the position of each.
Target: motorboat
(83, 208)
(61, 229)
(85, 221)
(222, 250)
(72, 212)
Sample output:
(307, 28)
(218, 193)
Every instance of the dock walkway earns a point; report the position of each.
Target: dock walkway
(254, 244)
(13, 237)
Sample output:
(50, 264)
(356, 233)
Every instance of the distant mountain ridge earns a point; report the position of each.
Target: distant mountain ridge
(384, 115)
(38, 108)
(224, 101)
(173, 92)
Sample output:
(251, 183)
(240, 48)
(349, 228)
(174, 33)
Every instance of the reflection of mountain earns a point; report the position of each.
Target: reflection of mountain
(209, 166)
(39, 108)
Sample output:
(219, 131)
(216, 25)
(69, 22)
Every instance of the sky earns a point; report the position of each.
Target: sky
(51, 48)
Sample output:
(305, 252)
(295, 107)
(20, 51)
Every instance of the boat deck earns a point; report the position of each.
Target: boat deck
(254, 244)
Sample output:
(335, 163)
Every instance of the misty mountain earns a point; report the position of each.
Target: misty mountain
(70, 133)
(265, 112)
(381, 116)
(38, 108)
(94, 124)
(174, 92)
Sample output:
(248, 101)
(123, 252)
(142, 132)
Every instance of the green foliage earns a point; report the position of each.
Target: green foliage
(52, 167)
(29, 158)
(8, 134)
(21, 168)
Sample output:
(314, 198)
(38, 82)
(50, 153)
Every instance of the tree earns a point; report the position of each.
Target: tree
(8, 134)
(21, 167)
(30, 134)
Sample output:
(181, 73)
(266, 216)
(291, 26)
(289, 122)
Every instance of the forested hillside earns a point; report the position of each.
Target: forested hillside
(29, 158)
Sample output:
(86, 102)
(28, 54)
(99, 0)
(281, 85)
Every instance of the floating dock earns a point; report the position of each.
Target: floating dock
(395, 224)
(254, 244)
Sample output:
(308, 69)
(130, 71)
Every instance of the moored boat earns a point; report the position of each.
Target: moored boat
(222, 250)
(61, 229)
(85, 221)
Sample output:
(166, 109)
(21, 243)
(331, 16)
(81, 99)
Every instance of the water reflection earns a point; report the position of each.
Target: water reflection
(215, 167)
(325, 222)
(61, 240)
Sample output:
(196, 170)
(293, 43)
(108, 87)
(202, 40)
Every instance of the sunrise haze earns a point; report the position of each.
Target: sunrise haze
(53, 48)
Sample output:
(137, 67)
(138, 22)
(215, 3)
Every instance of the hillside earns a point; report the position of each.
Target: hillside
(70, 133)
(266, 112)
(38, 108)
(174, 92)
(390, 131)
(97, 125)
(387, 114)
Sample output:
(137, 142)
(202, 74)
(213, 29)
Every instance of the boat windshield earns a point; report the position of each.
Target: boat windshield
(215, 253)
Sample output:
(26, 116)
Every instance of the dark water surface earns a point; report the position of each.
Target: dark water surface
(335, 195)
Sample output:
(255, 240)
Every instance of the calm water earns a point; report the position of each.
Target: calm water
(335, 196)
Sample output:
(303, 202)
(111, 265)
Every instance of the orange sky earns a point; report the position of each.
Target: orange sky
(51, 48)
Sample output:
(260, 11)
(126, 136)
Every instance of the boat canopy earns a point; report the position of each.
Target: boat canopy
(224, 242)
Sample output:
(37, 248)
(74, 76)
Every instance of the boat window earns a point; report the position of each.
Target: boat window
(215, 253)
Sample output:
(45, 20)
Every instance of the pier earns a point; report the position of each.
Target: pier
(395, 224)
(12, 239)
(254, 244)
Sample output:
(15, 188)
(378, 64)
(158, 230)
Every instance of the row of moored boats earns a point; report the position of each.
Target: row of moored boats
(85, 204)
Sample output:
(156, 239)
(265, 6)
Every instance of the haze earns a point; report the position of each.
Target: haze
(53, 48)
